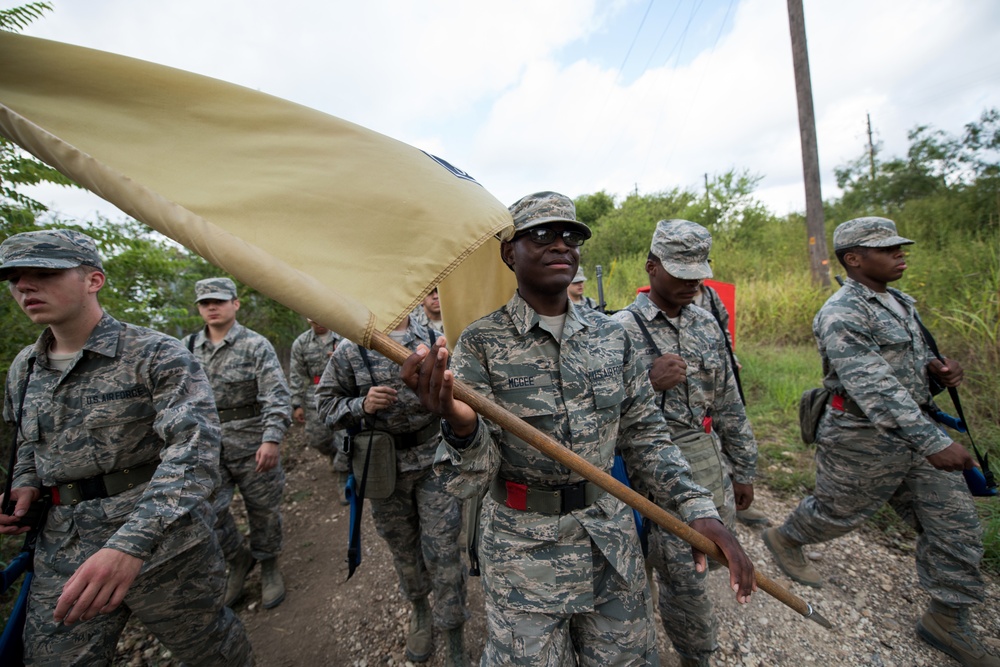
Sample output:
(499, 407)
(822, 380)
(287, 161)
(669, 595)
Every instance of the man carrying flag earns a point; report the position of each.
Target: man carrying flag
(561, 563)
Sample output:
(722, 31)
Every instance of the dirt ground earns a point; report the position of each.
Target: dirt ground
(872, 598)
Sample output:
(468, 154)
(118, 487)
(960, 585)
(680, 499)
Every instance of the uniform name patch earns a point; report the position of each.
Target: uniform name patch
(529, 381)
(135, 392)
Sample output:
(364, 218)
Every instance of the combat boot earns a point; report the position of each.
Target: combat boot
(789, 557)
(752, 517)
(239, 567)
(418, 642)
(272, 585)
(949, 631)
(456, 649)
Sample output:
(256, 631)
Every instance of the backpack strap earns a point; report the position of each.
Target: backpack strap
(725, 337)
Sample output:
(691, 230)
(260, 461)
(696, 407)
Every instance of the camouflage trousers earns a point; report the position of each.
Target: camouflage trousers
(262, 493)
(328, 443)
(177, 596)
(858, 470)
(685, 606)
(619, 632)
(420, 522)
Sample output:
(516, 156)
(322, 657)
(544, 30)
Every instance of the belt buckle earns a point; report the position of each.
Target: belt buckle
(574, 497)
(92, 488)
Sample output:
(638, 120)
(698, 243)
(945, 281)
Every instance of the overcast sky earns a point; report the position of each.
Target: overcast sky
(576, 95)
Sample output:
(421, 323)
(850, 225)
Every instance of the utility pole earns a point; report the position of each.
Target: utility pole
(871, 149)
(819, 258)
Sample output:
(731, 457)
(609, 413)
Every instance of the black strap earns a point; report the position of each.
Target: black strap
(711, 293)
(656, 348)
(190, 342)
(17, 428)
(953, 392)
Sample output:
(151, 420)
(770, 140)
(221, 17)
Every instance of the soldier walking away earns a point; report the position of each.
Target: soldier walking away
(560, 558)
(255, 411)
(116, 423)
(310, 353)
(688, 361)
(419, 520)
(876, 443)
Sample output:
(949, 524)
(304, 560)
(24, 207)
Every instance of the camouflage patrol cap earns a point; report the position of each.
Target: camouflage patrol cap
(870, 232)
(682, 248)
(48, 249)
(579, 277)
(221, 289)
(543, 207)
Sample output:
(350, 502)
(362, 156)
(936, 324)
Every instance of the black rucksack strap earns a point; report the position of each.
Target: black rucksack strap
(725, 337)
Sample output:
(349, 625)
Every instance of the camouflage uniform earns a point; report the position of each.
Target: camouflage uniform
(708, 299)
(244, 370)
(420, 521)
(710, 390)
(876, 453)
(310, 354)
(132, 396)
(563, 583)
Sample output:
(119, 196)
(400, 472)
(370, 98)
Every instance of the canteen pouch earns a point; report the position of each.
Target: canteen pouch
(380, 480)
(701, 451)
(812, 405)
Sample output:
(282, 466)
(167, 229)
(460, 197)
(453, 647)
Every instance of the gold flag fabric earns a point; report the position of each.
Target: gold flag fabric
(335, 221)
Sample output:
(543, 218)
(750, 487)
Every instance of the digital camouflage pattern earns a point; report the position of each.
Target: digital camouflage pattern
(543, 207)
(588, 391)
(48, 249)
(310, 354)
(708, 299)
(868, 232)
(879, 360)
(682, 248)
(132, 396)
(420, 521)
(710, 389)
(243, 370)
(221, 289)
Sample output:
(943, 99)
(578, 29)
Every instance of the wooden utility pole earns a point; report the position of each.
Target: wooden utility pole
(871, 149)
(819, 259)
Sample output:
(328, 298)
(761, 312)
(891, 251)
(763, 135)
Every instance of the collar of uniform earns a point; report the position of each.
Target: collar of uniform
(645, 307)
(524, 316)
(872, 295)
(234, 332)
(103, 339)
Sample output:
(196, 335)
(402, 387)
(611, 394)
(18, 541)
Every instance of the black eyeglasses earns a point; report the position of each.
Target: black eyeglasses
(545, 236)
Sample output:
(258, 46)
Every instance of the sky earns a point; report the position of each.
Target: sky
(578, 96)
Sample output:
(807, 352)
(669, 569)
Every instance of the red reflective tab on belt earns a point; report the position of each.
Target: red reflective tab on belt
(837, 402)
(54, 491)
(316, 379)
(707, 423)
(517, 495)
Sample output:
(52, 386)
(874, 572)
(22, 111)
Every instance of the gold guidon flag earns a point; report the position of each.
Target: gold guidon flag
(335, 221)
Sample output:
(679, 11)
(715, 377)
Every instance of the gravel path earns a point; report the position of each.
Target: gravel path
(872, 597)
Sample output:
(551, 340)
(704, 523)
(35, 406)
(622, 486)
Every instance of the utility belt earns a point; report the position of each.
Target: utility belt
(414, 438)
(102, 486)
(239, 412)
(845, 404)
(545, 499)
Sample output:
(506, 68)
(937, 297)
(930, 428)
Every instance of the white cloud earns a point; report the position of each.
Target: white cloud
(489, 86)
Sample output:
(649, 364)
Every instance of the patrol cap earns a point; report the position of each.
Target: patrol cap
(579, 277)
(544, 207)
(682, 247)
(221, 289)
(870, 232)
(48, 249)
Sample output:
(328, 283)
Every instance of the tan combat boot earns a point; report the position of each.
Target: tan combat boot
(239, 567)
(272, 585)
(418, 642)
(456, 657)
(752, 517)
(789, 557)
(949, 631)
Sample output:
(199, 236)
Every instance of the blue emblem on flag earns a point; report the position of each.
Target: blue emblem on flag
(453, 169)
